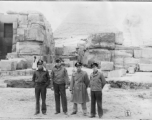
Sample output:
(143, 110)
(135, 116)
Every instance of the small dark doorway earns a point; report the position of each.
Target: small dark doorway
(7, 39)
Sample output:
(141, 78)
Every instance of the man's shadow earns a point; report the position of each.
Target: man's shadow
(105, 111)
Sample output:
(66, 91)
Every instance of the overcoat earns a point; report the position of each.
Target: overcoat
(78, 85)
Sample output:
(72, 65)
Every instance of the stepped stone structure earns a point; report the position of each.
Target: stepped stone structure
(26, 34)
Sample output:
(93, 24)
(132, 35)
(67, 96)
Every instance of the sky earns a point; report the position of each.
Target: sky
(56, 11)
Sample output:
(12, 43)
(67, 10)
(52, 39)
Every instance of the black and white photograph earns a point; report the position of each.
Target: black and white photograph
(75, 60)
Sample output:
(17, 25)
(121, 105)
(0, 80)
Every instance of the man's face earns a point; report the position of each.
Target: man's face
(79, 68)
(40, 66)
(95, 68)
(58, 64)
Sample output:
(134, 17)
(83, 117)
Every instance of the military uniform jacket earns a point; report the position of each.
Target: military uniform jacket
(97, 81)
(59, 76)
(41, 77)
(78, 85)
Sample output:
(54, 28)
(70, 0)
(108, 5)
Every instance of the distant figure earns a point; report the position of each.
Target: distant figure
(34, 66)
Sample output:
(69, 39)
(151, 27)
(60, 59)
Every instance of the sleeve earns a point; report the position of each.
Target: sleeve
(48, 79)
(71, 83)
(33, 77)
(52, 77)
(66, 77)
(102, 80)
(86, 80)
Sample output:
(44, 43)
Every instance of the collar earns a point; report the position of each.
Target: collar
(44, 69)
(95, 73)
(58, 68)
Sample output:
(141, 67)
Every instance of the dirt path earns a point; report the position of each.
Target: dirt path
(20, 104)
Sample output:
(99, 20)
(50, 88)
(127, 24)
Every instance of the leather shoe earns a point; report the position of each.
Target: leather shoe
(73, 113)
(92, 116)
(57, 112)
(65, 113)
(36, 113)
(44, 113)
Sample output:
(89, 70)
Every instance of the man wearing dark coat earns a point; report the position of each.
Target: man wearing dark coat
(41, 80)
(97, 82)
(78, 87)
(59, 83)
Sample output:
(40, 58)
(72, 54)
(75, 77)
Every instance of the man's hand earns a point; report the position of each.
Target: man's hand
(52, 88)
(66, 86)
(71, 91)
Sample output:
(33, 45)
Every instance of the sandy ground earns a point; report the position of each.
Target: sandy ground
(20, 104)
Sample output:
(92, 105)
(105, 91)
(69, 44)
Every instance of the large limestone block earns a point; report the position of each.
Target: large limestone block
(69, 50)
(117, 67)
(35, 34)
(19, 38)
(7, 65)
(145, 61)
(124, 54)
(49, 66)
(119, 61)
(145, 67)
(22, 19)
(106, 65)
(32, 18)
(59, 50)
(117, 73)
(131, 70)
(137, 53)
(147, 53)
(102, 40)
(29, 48)
(12, 55)
(121, 47)
(105, 73)
(21, 63)
(20, 31)
(131, 62)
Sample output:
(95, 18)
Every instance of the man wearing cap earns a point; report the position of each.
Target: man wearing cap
(41, 80)
(60, 82)
(78, 87)
(97, 82)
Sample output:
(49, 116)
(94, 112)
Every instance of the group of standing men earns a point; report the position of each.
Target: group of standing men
(78, 87)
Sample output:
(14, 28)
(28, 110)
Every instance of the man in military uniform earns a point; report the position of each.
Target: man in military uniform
(60, 82)
(41, 80)
(78, 87)
(97, 82)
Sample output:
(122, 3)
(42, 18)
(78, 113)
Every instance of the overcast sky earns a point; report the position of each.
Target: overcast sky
(56, 11)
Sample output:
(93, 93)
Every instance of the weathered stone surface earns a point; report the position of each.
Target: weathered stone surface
(130, 62)
(117, 67)
(20, 31)
(7, 65)
(14, 48)
(105, 73)
(117, 73)
(28, 47)
(145, 61)
(146, 53)
(15, 25)
(69, 50)
(12, 55)
(35, 34)
(102, 40)
(119, 53)
(122, 47)
(1, 34)
(119, 38)
(59, 50)
(119, 61)
(106, 65)
(19, 38)
(50, 66)
(22, 19)
(145, 67)
(131, 70)
(96, 55)
(21, 63)
(34, 18)
(3, 85)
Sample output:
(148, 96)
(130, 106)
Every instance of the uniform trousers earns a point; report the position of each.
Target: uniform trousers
(40, 90)
(60, 91)
(96, 96)
(83, 105)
